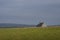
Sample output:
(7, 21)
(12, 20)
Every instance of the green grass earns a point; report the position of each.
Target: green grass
(51, 33)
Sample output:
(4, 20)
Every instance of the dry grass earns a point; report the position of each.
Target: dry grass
(48, 33)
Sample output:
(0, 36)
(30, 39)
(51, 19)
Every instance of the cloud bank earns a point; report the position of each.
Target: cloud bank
(30, 11)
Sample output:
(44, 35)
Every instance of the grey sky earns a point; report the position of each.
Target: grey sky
(30, 11)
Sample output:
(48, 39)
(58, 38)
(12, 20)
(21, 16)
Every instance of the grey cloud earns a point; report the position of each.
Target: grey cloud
(29, 11)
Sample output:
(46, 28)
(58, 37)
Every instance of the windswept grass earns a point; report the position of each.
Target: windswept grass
(51, 33)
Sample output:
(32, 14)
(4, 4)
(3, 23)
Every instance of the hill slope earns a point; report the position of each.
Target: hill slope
(6, 25)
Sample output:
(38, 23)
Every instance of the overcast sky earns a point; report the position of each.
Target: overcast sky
(30, 11)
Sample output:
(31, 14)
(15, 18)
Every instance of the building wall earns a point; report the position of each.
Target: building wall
(44, 25)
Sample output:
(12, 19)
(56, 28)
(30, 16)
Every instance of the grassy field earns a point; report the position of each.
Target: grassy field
(49, 33)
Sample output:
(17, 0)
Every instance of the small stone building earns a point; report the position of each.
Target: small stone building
(42, 24)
